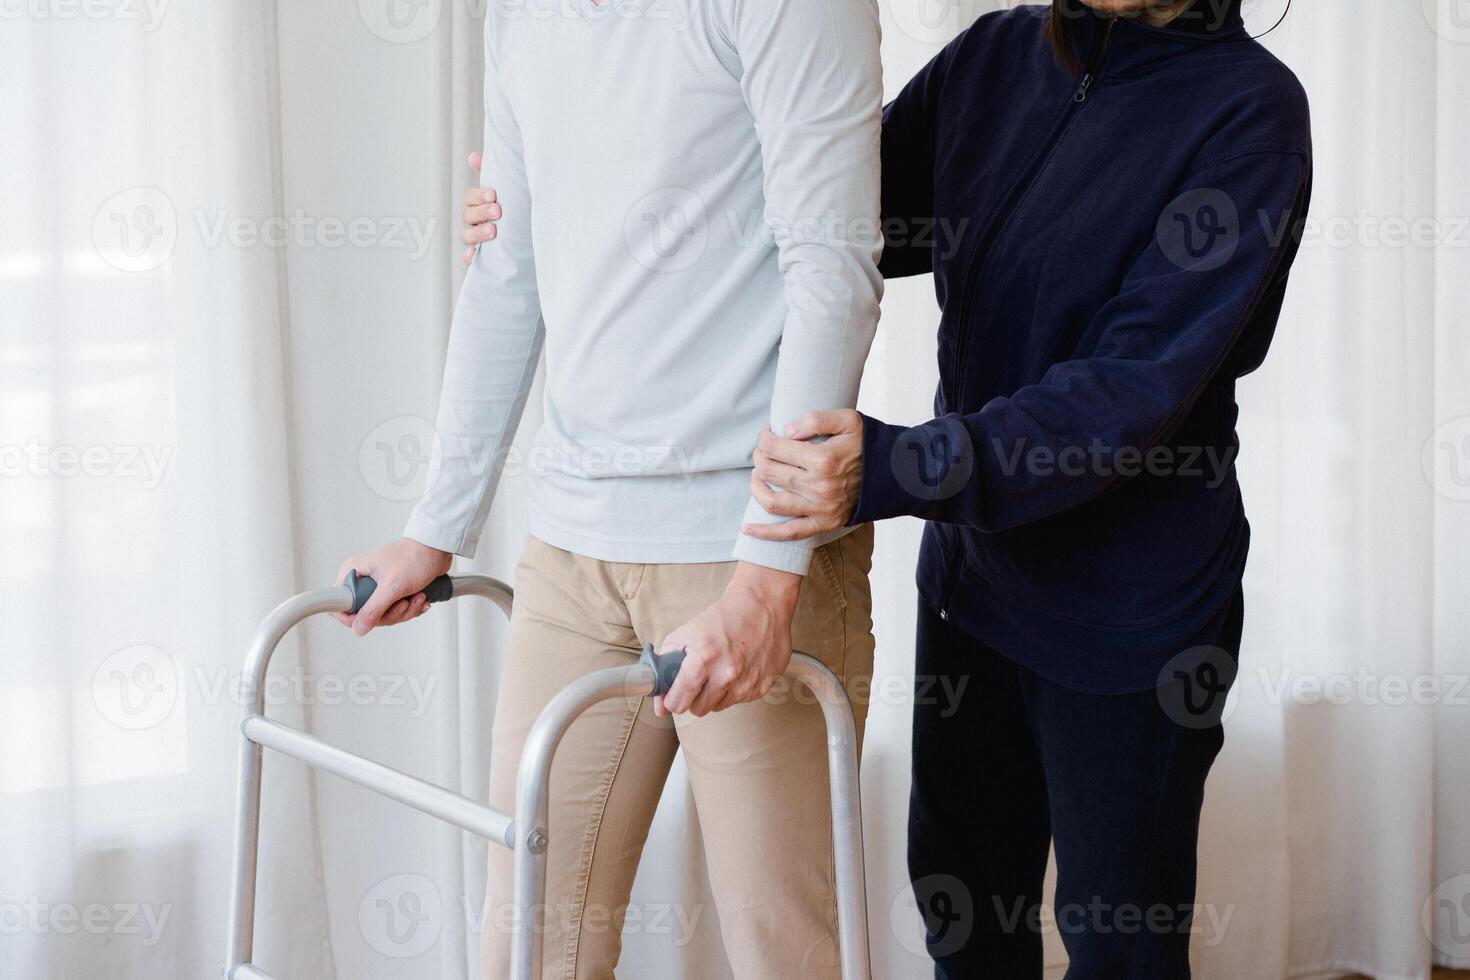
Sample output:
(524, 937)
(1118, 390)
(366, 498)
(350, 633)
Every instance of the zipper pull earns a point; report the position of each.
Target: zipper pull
(1081, 95)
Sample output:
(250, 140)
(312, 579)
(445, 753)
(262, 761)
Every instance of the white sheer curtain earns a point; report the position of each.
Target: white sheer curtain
(226, 269)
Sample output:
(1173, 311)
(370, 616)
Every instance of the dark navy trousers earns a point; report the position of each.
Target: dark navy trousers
(1007, 764)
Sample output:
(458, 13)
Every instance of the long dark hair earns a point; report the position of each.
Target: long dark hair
(1061, 31)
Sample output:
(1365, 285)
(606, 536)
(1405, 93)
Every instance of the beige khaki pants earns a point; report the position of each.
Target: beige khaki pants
(758, 771)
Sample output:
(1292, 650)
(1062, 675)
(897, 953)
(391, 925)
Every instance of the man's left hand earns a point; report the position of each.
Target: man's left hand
(738, 646)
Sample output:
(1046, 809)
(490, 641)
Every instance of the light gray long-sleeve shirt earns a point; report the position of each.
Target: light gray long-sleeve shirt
(690, 192)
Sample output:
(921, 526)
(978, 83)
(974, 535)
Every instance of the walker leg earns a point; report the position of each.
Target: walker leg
(241, 940)
(427, 798)
(653, 676)
(847, 814)
(533, 778)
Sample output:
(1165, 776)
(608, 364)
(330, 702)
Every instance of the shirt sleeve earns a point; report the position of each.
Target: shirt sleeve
(494, 346)
(1162, 339)
(813, 82)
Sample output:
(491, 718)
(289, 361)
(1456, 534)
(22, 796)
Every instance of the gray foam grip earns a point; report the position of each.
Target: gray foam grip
(363, 586)
(665, 667)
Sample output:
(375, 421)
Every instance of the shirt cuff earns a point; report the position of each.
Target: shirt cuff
(436, 534)
(784, 556)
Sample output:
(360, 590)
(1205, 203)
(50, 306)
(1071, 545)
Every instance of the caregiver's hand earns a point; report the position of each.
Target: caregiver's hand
(403, 569)
(820, 480)
(480, 213)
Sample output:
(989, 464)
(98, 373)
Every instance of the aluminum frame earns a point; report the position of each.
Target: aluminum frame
(524, 833)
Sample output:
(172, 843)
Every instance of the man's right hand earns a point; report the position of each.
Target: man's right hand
(480, 214)
(403, 570)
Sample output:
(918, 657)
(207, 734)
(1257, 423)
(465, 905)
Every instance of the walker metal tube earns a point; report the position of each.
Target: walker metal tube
(247, 971)
(534, 776)
(240, 940)
(424, 796)
(532, 781)
(847, 813)
(527, 834)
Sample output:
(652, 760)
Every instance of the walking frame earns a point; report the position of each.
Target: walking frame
(524, 832)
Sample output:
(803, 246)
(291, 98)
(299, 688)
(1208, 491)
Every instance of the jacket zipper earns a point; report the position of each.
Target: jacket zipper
(954, 578)
(982, 254)
(982, 251)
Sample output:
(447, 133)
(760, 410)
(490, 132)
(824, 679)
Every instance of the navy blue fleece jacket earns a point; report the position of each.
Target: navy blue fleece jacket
(1110, 251)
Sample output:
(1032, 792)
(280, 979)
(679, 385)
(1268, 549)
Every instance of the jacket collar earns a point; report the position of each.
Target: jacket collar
(1136, 46)
(1208, 17)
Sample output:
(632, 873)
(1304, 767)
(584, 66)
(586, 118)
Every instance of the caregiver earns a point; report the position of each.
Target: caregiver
(1109, 198)
(1126, 194)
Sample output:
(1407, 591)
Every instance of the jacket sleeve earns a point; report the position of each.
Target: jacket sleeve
(814, 86)
(909, 223)
(1218, 261)
(494, 346)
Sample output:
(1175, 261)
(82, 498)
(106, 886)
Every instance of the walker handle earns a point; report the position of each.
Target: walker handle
(665, 667)
(362, 586)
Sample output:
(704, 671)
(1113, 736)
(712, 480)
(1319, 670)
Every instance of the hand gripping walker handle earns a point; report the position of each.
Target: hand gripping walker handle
(362, 586)
(665, 667)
